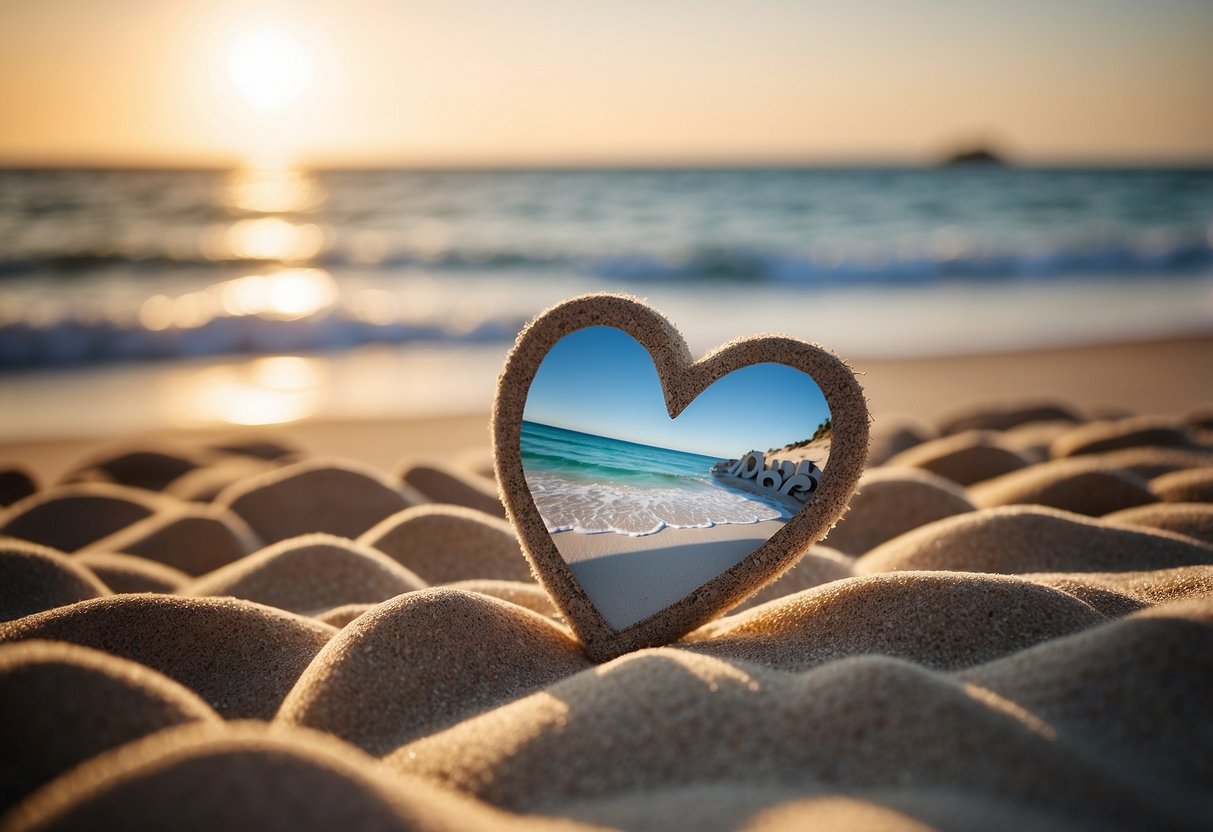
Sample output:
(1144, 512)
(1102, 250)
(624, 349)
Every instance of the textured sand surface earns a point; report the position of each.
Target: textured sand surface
(1012, 629)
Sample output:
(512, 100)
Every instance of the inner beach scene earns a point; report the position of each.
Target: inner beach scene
(644, 520)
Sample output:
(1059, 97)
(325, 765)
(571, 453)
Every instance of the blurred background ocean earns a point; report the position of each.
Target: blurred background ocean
(413, 275)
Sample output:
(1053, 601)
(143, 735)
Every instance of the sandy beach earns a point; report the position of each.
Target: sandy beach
(630, 578)
(331, 625)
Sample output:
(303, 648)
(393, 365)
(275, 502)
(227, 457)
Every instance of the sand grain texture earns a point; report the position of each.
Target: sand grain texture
(34, 578)
(64, 704)
(385, 678)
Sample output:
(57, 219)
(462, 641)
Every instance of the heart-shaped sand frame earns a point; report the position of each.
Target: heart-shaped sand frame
(682, 379)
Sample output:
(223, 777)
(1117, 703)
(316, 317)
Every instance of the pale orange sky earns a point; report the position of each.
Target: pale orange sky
(574, 81)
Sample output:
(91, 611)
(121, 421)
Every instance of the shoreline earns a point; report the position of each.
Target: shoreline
(1161, 376)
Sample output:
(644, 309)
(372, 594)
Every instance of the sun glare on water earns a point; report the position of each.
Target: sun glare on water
(270, 68)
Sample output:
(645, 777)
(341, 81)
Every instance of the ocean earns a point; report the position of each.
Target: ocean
(109, 279)
(590, 484)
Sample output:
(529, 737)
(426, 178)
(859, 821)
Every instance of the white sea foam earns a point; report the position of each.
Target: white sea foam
(597, 508)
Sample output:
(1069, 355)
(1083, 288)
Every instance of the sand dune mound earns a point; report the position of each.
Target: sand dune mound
(34, 578)
(340, 616)
(1134, 432)
(890, 436)
(140, 467)
(267, 449)
(1161, 652)
(891, 501)
(1194, 485)
(240, 657)
(448, 485)
(16, 483)
(820, 565)
(1018, 539)
(310, 574)
(70, 517)
(64, 704)
(131, 573)
(1082, 486)
(1154, 462)
(193, 539)
(1007, 416)
(762, 807)
(524, 594)
(340, 498)
(424, 661)
(1034, 439)
(639, 724)
(247, 776)
(1117, 594)
(444, 543)
(942, 620)
(202, 485)
(1190, 519)
(963, 458)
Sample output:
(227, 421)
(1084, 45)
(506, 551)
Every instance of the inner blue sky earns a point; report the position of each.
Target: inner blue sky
(601, 380)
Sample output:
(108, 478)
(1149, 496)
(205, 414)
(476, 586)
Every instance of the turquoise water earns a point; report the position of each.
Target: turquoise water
(589, 484)
(592, 458)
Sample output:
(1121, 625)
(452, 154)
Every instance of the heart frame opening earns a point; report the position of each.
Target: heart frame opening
(682, 379)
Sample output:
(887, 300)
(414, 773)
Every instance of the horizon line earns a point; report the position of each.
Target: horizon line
(622, 439)
(421, 164)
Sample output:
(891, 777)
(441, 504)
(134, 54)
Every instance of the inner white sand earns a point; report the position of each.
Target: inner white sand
(630, 578)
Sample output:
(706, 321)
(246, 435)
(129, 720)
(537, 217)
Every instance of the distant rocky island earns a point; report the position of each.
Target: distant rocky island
(974, 156)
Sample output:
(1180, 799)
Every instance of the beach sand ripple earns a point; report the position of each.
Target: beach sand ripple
(386, 677)
(310, 575)
(64, 704)
(450, 485)
(444, 543)
(315, 496)
(892, 501)
(34, 578)
(1193, 485)
(1081, 485)
(70, 517)
(1193, 520)
(131, 573)
(241, 658)
(944, 620)
(1017, 539)
(1010, 629)
(190, 538)
(964, 458)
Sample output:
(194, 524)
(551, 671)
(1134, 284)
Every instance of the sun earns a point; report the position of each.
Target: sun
(270, 68)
